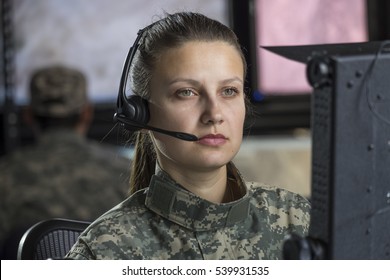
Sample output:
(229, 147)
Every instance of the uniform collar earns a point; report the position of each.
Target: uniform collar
(175, 203)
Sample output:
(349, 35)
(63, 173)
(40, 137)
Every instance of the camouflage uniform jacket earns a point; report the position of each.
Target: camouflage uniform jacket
(165, 221)
(63, 175)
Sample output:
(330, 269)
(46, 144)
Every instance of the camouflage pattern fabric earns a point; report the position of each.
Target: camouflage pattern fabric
(165, 221)
(58, 91)
(63, 176)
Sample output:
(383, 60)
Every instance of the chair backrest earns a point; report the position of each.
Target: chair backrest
(50, 239)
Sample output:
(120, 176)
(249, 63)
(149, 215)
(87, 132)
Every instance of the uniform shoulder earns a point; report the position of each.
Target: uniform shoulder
(277, 196)
(285, 209)
(126, 212)
(114, 229)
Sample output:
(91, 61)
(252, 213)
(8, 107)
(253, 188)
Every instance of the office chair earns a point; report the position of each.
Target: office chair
(50, 239)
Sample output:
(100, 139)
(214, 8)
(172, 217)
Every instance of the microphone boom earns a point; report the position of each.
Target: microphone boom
(180, 135)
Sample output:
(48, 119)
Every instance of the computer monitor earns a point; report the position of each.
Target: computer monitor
(350, 122)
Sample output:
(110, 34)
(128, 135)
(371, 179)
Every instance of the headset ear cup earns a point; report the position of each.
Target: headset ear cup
(132, 111)
(136, 109)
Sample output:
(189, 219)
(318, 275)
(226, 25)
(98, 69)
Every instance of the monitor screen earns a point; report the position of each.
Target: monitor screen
(301, 22)
(350, 194)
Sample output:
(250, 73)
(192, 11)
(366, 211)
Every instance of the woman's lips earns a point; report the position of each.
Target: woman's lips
(213, 140)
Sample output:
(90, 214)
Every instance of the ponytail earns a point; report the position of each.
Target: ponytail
(144, 162)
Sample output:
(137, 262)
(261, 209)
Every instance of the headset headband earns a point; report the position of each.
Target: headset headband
(126, 69)
(133, 111)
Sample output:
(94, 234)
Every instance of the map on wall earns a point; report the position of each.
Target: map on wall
(93, 36)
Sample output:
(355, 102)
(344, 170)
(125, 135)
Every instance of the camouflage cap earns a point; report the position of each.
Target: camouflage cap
(57, 91)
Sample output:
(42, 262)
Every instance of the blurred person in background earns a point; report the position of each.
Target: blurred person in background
(63, 174)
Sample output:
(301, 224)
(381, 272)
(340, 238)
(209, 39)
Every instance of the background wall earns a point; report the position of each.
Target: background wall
(281, 161)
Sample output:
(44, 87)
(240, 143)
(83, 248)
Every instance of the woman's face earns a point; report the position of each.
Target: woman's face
(197, 88)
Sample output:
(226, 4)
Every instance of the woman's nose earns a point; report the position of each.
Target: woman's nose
(212, 112)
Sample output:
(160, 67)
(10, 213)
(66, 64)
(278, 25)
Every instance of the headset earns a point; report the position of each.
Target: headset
(132, 111)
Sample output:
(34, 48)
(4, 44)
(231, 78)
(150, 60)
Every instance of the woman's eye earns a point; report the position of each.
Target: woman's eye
(186, 93)
(230, 92)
